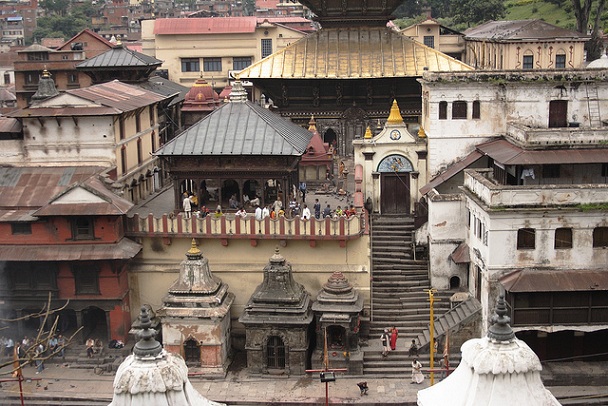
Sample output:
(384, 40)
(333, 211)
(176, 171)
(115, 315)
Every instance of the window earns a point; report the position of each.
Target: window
(82, 228)
(476, 111)
(560, 61)
(151, 113)
(190, 65)
(38, 56)
(429, 41)
(459, 110)
(121, 128)
(7, 79)
(31, 79)
(33, 276)
(86, 279)
(563, 238)
(600, 237)
(139, 152)
(275, 351)
(123, 159)
(526, 238)
(443, 110)
(604, 170)
(21, 228)
(528, 61)
(72, 78)
(212, 64)
(551, 171)
(266, 47)
(239, 63)
(138, 121)
(153, 140)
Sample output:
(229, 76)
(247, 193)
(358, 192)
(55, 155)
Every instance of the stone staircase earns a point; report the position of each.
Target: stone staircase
(107, 361)
(399, 295)
(451, 319)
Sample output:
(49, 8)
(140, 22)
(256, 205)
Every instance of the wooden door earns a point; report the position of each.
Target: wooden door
(395, 193)
(558, 113)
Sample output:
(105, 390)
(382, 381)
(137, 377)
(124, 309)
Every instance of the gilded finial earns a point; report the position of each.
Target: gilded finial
(194, 249)
(368, 133)
(46, 73)
(312, 124)
(395, 116)
(421, 133)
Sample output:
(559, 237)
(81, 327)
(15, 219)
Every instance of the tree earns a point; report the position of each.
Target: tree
(55, 7)
(582, 13)
(249, 7)
(474, 12)
(60, 27)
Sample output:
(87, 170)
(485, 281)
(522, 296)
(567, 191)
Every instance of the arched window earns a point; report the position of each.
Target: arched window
(454, 282)
(192, 351)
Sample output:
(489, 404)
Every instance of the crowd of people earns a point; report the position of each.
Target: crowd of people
(28, 350)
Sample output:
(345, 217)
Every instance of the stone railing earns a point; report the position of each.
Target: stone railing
(229, 226)
(541, 137)
(505, 196)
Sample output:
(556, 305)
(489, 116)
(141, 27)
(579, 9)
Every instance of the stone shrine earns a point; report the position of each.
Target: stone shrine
(277, 322)
(196, 316)
(336, 312)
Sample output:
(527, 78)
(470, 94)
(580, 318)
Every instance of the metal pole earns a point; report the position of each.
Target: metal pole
(432, 335)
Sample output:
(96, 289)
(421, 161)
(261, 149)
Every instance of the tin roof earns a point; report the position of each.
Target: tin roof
(558, 280)
(9, 125)
(165, 87)
(353, 52)
(504, 152)
(120, 56)
(24, 190)
(124, 249)
(223, 25)
(92, 33)
(111, 98)
(451, 171)
(239, 128)
(520, 30)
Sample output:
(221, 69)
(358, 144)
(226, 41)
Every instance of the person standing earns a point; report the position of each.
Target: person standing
(327, 211)
(417, 376)
(305, 213)
(317, 208)
(39, 360)
(258, 213)
(266, 212)
(394, 335)
(61, 345)
(187, 206)
(303, 190)
(384, 339)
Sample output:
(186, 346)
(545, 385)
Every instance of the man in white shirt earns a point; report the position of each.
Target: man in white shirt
(258, 213)
(187, 203)
(305, 213)
(265, 212)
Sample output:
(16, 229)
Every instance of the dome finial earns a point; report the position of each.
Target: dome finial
(395, 115)
(368, 133)
(147, 346)
(500, 330)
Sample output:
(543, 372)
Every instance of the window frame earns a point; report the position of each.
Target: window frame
(266, 47)
(600, 237)
(459, 110)
(190, 64)
(476, 110)
(212, 64)
(443, 110)
(527, 62)
(526, 238)
(429, 41)
(563, 238)
(21, 228)
(561, 64)
(81, 231)
(86, 278)
(241, 62)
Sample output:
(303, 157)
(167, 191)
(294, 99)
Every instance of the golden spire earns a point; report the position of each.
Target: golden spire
(421, 133)
(395, 116)
(312, 125)
(194, 249)
(368, 133)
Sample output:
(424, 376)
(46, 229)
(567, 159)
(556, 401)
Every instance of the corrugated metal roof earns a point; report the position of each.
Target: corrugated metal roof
(521, 30)
(64, 112)
(224, 25)
(23, 190)
(109, 204)
(9, 125)
(504, 152)
(124, 249)
(355, 52)
(461, 254)
(120, 56)
(451, 171)
(558, 280)
(239, 129)
(165, 87)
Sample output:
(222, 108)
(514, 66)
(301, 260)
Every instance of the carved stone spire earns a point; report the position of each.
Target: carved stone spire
(46, 87)
(238, 93)
(147, 346)
(500, 330)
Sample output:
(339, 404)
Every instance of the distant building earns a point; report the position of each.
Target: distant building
(524, 45)
(434, 35)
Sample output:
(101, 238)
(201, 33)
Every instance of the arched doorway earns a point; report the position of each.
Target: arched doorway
(454, 282)
(275, 351)
(94, 323)
(331, 138)
(192, 352)
(230, 187)
(395, 184)
(336, 337)
(67, 322)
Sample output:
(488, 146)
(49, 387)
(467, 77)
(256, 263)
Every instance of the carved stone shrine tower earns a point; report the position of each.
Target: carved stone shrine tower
(337, 311)
(277, 322)
(196, 316)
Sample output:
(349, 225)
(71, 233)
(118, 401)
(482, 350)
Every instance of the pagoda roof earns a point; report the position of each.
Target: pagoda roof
(352, 53)
(239, 128)
(336, 12)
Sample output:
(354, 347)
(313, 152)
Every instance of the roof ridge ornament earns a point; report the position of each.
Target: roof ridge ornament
(238, 93)
(147, 346)
(368, 133)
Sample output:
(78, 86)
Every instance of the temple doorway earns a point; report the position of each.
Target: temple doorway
(275, 351)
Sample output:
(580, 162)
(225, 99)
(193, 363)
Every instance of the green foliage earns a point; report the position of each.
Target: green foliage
(557, 14)
(55, 7)
(60, 26)
(593, 206)
(474, 12)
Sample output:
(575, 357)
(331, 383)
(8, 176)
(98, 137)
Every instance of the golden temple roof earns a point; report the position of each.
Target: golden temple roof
(350, 53)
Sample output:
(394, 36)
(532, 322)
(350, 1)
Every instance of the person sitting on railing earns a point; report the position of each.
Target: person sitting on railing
(218, 212)
(241, 213)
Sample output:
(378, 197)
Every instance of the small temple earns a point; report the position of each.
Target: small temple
(496, 370)
(196, 316)
(277, 322)
(337, 310)
(152, 376)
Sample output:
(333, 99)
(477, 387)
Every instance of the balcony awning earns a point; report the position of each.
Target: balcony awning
(461, 254)
(125, 249)
(451, 171)
(530, 280)
(504, 152)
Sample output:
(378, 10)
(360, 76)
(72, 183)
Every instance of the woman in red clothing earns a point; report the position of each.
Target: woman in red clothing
(394, 335)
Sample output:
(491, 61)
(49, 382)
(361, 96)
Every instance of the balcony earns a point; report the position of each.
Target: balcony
(481, 184)
(542, 137)
(229, 226)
